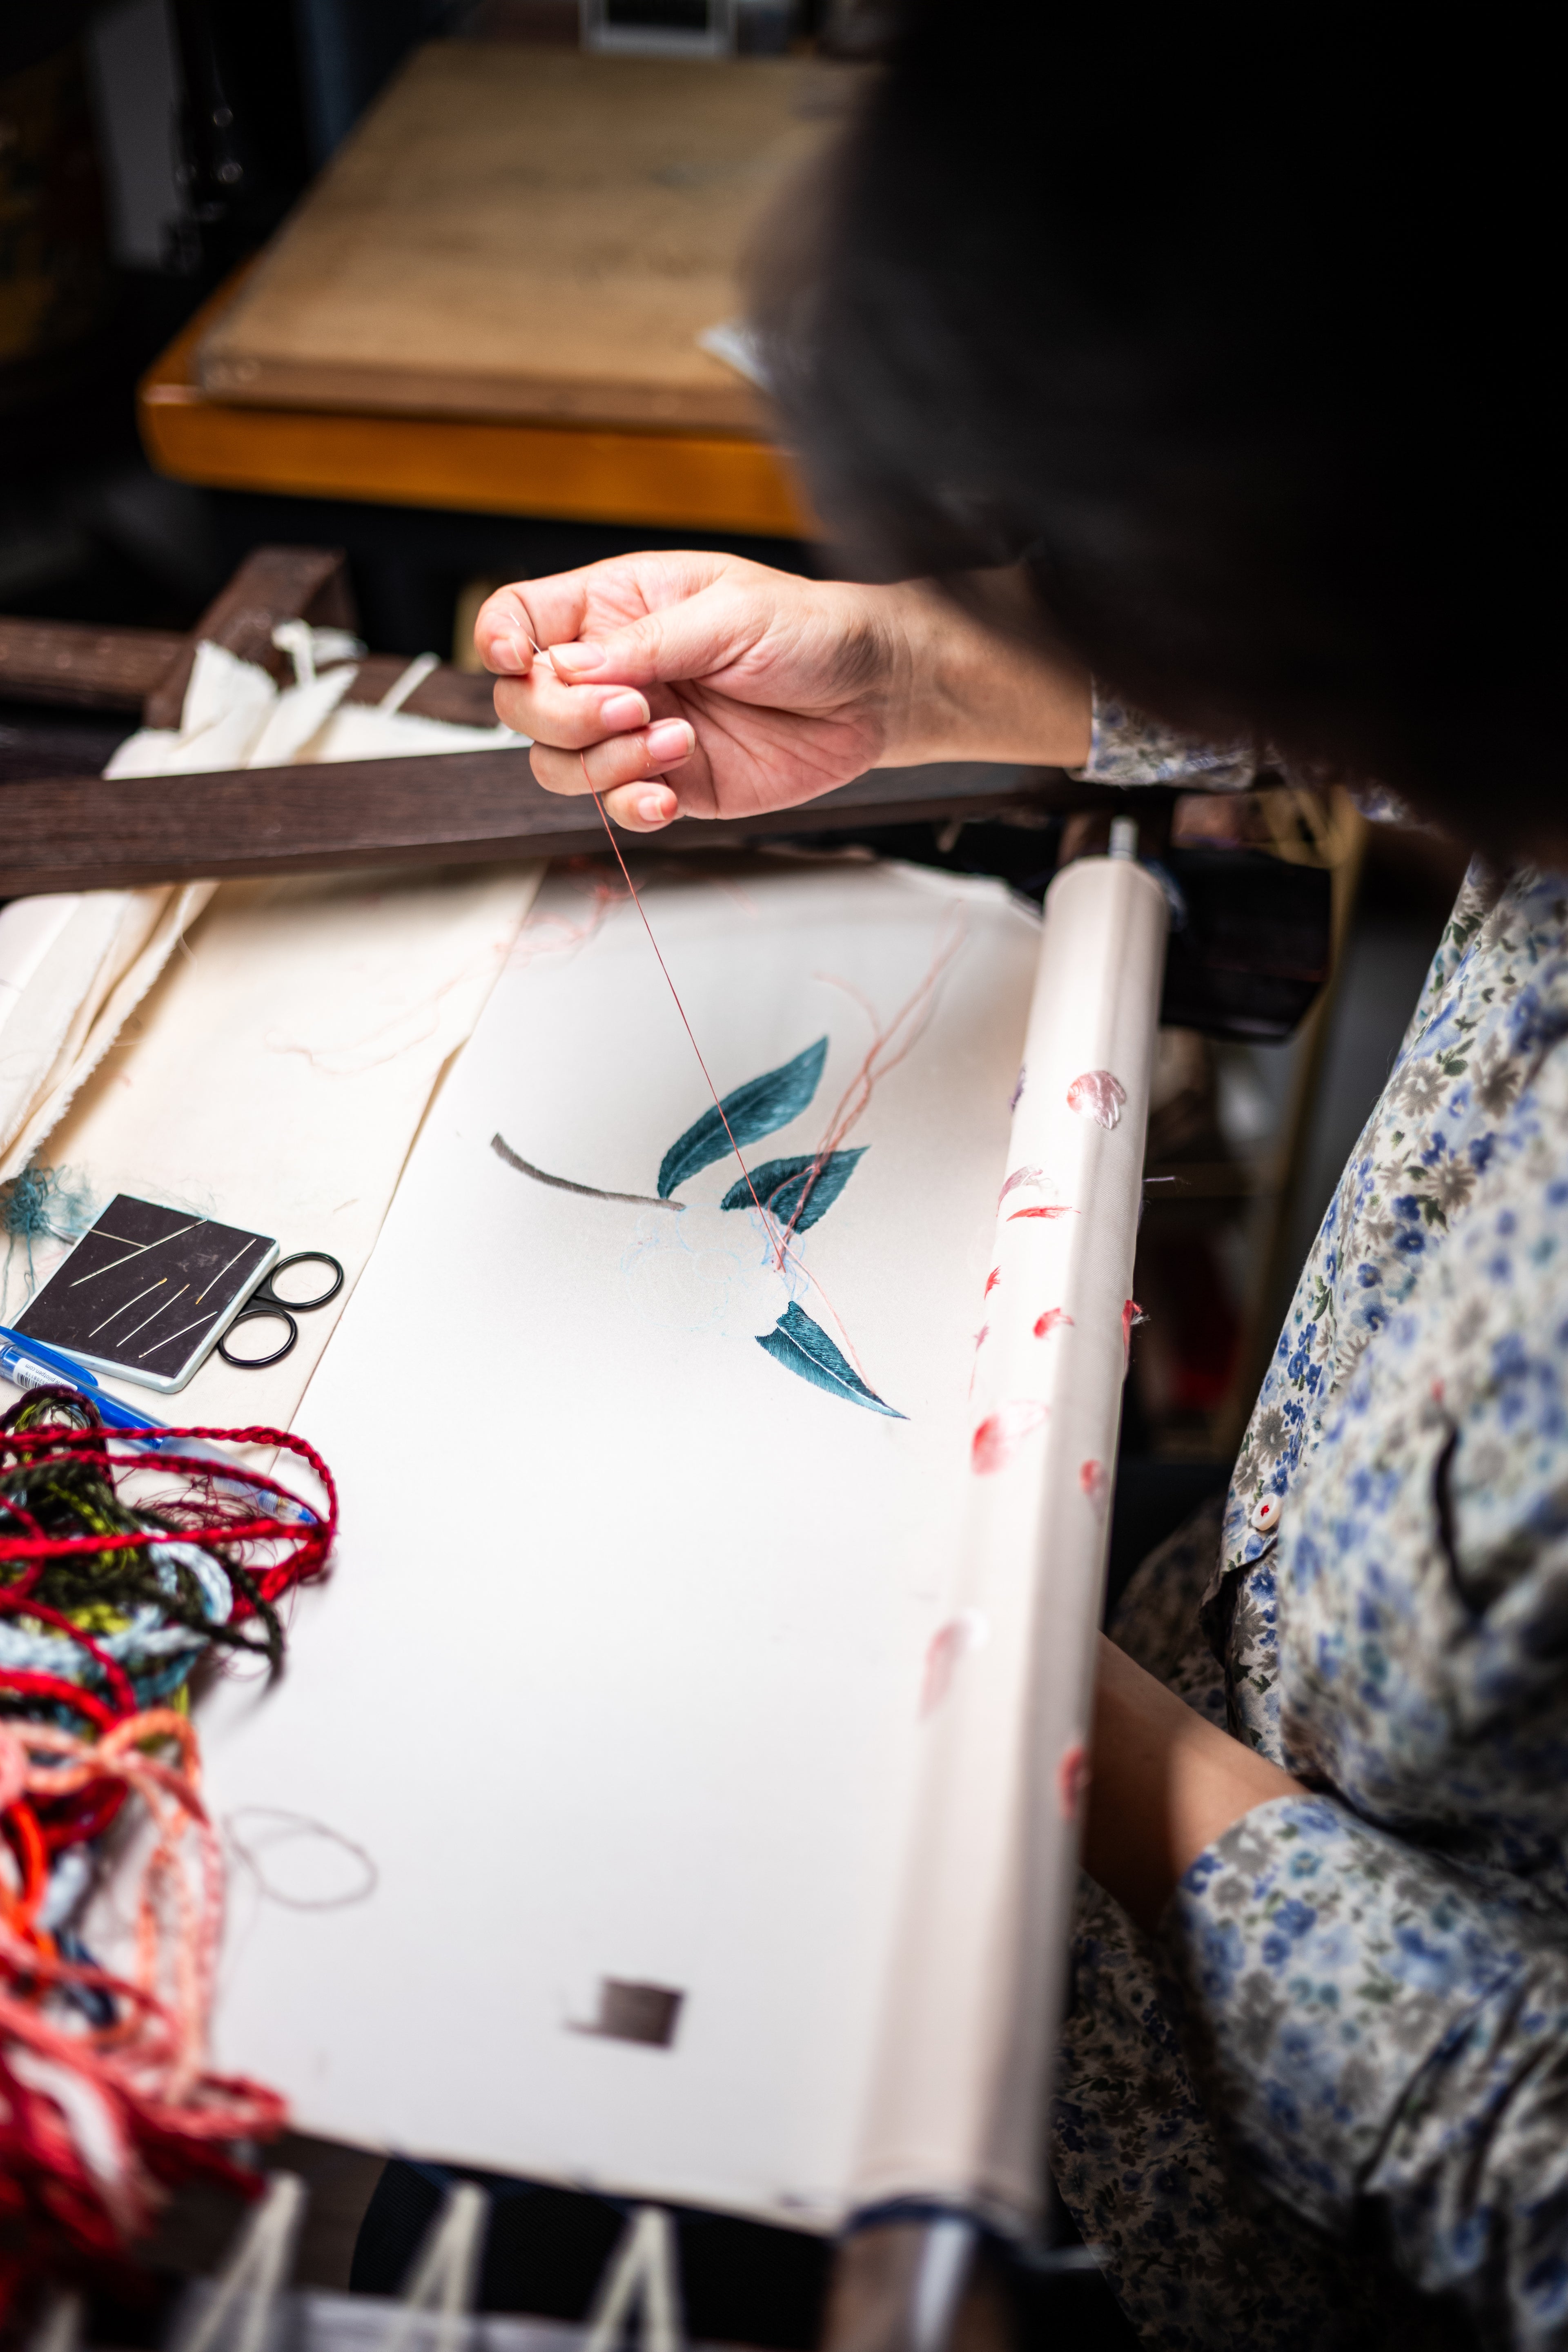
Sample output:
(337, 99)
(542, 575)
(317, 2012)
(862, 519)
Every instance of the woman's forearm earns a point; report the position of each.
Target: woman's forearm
(967, 687)
(1163, 1785)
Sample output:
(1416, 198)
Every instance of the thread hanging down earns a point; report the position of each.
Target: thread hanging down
(631, 886)
(669, 983)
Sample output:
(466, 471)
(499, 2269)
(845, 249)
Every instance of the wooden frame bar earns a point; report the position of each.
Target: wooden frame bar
(88, 833)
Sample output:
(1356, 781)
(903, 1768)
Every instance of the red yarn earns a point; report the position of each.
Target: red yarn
(160, 2116)
(203, 1517)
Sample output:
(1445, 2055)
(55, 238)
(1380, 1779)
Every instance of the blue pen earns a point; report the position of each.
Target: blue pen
(29, 1364)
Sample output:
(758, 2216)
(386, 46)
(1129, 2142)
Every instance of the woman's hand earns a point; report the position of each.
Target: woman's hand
(706, 686)
(1163, 1784)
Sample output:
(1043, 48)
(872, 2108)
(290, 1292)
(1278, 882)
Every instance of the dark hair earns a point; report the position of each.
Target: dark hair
(1234, 342)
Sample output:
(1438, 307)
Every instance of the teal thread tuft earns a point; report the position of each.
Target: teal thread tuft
(44, 1200)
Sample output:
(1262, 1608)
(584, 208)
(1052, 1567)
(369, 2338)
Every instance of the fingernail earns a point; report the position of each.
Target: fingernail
(577, 658)
(619, 711)
(656, 808)
(509, 653)
(670, 741)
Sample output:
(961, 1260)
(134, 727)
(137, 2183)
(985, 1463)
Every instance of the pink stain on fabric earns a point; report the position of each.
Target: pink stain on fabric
(1002, 1433)
(1020, 1176)
(1092, 1478)
(1098, 1095)
(1040, 1212)
(1132, 1315)
(1072, 1779)
(945, 1648)
(992, 1279)
(1051, 1320)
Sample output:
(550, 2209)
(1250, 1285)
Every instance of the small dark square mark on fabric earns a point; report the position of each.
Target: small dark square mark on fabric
(648, 2013)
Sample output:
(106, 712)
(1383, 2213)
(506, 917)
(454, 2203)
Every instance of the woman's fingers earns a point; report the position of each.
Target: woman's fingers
(571, 717)
(626, 772)
(513, 623)
(703, 634)
(641, 808)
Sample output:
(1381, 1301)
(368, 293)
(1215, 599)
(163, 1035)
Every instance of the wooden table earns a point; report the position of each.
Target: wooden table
(490, 300)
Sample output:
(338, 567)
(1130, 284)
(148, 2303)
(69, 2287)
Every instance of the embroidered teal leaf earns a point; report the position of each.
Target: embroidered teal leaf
(779, 1184)
(803, 1347)
(756, 1109)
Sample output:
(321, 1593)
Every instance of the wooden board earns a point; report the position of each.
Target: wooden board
(634, 475)
(529, 233)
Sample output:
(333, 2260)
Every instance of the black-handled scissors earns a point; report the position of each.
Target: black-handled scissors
(264, 1300)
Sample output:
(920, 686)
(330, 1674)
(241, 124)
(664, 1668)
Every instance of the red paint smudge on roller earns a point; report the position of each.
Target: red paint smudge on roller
(1049, 1321)
(1098, 1095)
(992, 1279)
(969, 1631)
(1002, 1433)
(1040, 1212)
(945, 1648)
(1072, 1779)
(1092, 1478)
(1132, 1315)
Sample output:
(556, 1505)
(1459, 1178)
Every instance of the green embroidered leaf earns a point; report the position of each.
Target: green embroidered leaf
(803, 1347)
(779, 1184)
(756, 1109)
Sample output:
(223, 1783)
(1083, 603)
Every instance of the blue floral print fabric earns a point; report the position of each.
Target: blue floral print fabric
(1128, 747)
(1334, 2088)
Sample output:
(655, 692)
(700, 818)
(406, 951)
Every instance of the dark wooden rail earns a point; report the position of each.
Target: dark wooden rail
(83, 833)
(89, 668)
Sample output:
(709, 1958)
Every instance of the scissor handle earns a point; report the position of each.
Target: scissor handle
(276, 1312)
(266, 1295)
(264, 1301)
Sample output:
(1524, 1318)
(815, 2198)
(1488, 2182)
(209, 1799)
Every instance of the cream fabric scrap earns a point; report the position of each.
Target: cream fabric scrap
(276, 1075)
(235, 717)
(73, 965)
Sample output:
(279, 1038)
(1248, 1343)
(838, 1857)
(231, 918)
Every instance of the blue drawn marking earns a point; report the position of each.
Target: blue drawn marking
(756, 1109)
(780, 1182)
(803, 1347)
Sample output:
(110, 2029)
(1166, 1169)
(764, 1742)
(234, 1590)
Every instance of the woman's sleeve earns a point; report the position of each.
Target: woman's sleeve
(1128, 747)
(1390, 2048)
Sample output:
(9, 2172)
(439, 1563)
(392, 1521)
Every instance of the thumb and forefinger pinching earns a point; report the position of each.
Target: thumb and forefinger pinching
(586, 736)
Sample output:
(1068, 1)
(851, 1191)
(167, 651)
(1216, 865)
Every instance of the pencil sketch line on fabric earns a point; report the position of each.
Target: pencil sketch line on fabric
(503, 1151)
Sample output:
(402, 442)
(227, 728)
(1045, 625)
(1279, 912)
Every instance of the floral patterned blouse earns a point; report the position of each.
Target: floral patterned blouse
(1327, 2106)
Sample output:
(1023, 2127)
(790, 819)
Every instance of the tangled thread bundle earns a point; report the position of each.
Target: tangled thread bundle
(122, 1564)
